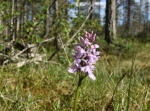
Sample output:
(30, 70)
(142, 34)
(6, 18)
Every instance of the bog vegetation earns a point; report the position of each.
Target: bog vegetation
(37, 39)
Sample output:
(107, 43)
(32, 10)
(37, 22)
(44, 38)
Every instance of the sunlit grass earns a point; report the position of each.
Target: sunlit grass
(49, 87)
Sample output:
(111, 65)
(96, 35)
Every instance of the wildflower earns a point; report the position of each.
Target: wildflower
(85, 56)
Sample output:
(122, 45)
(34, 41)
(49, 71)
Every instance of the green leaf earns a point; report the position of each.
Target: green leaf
(62, 23)
(39, 40)
(44, 49)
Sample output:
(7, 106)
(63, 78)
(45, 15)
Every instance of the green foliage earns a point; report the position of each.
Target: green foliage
(49, 87)
(1, 28)
(90, 25)
(63, 60)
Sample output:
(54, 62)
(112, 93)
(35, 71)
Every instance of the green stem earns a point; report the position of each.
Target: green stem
(77, 93)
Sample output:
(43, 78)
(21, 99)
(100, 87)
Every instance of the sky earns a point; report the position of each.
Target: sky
(72, 12)
(139, 0)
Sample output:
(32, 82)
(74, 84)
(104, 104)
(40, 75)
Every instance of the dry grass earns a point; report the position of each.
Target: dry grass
(49, 87)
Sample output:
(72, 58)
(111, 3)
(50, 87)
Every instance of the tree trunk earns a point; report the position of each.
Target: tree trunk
(55, 11)
(47, 19)
(26, 11)
(92, 6)
(66, 9)
(110, 23)
(140, 13)
(100, 12)
(78, 5)
(22, 18)
(128, 17)
(13, 21)
(147, 15)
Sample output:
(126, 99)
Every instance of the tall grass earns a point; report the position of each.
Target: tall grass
(49, 87)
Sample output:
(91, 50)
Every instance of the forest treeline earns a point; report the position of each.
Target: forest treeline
(28, 27)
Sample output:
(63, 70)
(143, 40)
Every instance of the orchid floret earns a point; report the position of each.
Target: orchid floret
(85, 56)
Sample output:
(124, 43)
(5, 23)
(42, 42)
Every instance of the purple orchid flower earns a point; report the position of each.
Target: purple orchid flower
(85, 56)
